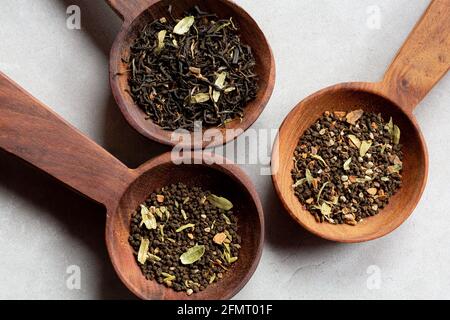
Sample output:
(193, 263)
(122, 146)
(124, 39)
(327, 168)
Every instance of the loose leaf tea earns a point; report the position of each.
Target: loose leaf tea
(143, 250)
(356, 142)
(365, 146)
(347, 164)
(352, 164)
(194, 242)
(191, 69)
(148, 218)
(309, 178)
(189, 225)
(396, 135)
(161, 38)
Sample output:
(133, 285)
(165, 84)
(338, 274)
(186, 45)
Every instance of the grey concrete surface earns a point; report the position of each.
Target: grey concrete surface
(45, 229)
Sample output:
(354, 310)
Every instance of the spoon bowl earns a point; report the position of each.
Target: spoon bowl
(136, 14)
(34, 133)
(421, 63)
(228, 181)
(349, 97)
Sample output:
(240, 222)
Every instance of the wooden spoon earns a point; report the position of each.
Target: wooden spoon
(421, 63)
(31, 131)
(138, 13)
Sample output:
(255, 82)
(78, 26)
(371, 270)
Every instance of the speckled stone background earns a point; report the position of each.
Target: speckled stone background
(45, 229)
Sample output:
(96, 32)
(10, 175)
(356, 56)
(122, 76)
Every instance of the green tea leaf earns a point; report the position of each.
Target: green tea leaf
(220, 202)
(148, 218)
(347, 164)
(186, 226)
(143, 250)
(193, 254)
(222, 26)
(220, 83)
(183, 213)
(356, 142)
(158, 212)
(184, 25)
(228, 235)
(321, 190)
(229, 89)
(161, 231)
(161, 38)
(317, 157)
(309, 177)
(325, 209)
(168, 276)
(299, 183)
(200, 98)
(212, 278)
(389, 126)
(232, 259)
(227, 254)
(396, 135)
(335, 200)
(216, 96)
(365, 146)
(227, 220)
(153, 257)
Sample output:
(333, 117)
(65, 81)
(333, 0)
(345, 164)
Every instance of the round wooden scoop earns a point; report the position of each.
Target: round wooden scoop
(420, 64)
(34, 133)
(136, 14)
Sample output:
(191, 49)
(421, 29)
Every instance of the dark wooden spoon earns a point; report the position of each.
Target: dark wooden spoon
(423, 60)
(31, 131)
(137, 13)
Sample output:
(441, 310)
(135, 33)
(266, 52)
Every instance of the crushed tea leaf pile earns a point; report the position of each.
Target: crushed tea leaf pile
(193, 69)
(184, 237)
(347, 166)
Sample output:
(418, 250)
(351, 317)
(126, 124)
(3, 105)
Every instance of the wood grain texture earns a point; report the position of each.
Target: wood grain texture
(31, 131)
(422, 61)
(250, 34)
(129, 9)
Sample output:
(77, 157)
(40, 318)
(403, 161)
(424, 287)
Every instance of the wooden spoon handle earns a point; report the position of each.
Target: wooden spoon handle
(423, 60)
(31, 131)
(129, 10)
